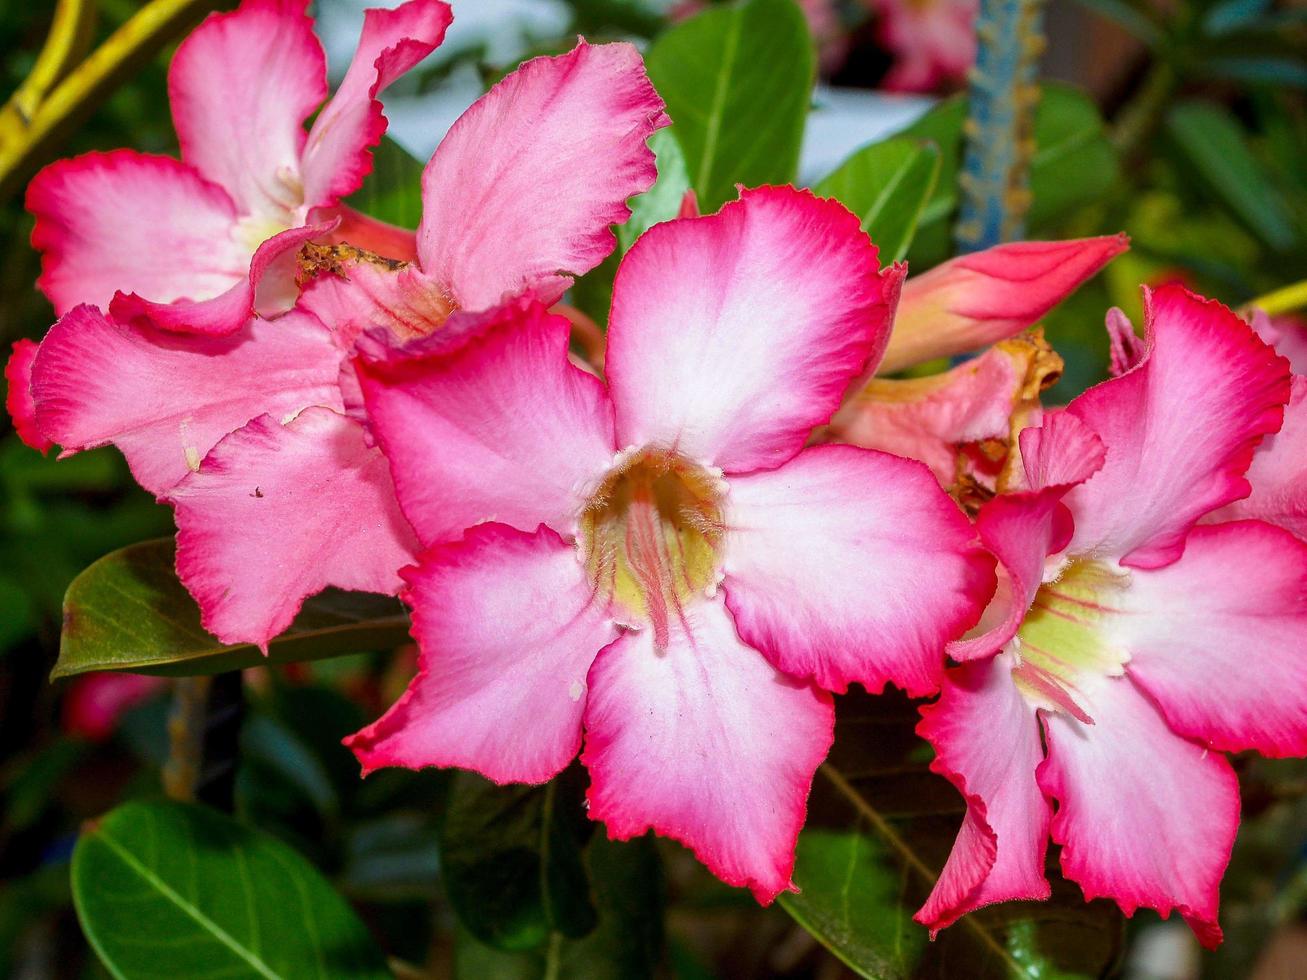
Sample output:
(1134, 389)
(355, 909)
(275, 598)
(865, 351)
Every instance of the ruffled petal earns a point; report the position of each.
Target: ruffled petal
(520, 194)
(18, 395)
(338, 154)
(241, 86)
(706, 743)
(125, 221)
(1287, 333)
(1278, 474)
(974, 300)
(1144, 817)
(165, 400)
(847, 564)
(731, 336)
(986, 741)
(1180, 430)
(507, 626)
(502, 429)
(1217, 638)
(277, 513)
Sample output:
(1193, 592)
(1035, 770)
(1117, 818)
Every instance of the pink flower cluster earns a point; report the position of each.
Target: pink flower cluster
(671, 568)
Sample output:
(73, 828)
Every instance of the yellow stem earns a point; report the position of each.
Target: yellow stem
(1281, 300)
(38, 113)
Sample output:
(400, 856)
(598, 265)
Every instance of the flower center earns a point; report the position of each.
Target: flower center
(651, 536)
(1064, 648)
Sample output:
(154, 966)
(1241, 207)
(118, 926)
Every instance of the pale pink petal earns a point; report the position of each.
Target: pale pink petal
(1180, 429)
(277, 513)
(502, 429)
(848, 564)
(1217, 638)
(18, 395)
(508, 626)
(124, 221)
(222, 314)
(521, 192)
(165, 399)
(732, 335)
(1022, 529)
(1144, 816)
(338, 154)
(986, 741)
(1287, 333)
(705, 742)
(1126, 347)
(1278, 473)
(241, 86)
(974, 300)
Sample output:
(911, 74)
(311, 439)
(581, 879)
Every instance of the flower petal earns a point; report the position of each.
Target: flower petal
(986, 741)
(706, 743)
(733, 335)
(502, 429)
(974, 300)
(277, 513)
(1180, 430)
(1216, 638)
(18, 396)
(1278, 473)
(163, 399)
(1144, 816)
(126, 221)
(338, 154)
(241, 86)
(520, 193)
(364, 231)
(508, 627)
(848, 565)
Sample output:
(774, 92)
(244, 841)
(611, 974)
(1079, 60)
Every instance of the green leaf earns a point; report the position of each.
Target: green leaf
(880, 828)
(393, 190)
(512, 859)
(737, 81)
(1213, 143)
(662, 201)
(165, 889)
(887, 186)
(128, 611)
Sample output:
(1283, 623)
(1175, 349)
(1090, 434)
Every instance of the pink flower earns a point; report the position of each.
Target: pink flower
(95, 703)
(257, 436)
(933, 42)
(184, 244)
(1141, 646)
(658, 560)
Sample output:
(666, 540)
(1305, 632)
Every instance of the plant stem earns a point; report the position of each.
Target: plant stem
(181, 773)
(999, 131)
(1284, 300)
(203, 739)
(1139, 116)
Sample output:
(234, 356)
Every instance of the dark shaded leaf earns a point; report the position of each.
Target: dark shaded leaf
(737, 81)
(1127, 16)
(887, 185)
(393, 190)
(164, 889)
(128, 611)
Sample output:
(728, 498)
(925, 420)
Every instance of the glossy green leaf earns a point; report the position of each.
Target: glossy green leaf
(887, 185)
(737, 80)
(880, 827)
(128, 611)
(393, 190)
(1213, 143)
(165, 889)
(662, 201)
(512, 859)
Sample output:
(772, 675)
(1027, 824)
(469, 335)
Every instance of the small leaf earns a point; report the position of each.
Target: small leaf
(512, 859)
(662, 201)
(1213, 142)
(128, 611)
(1229, 16)
(887, 186)
(1261, 71)
(165, 889)
(393, 190)
(737, 80)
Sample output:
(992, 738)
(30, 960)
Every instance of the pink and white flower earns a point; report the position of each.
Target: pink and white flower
(255, 434)
(933, 42)
(657, 561)
(1141, 646)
